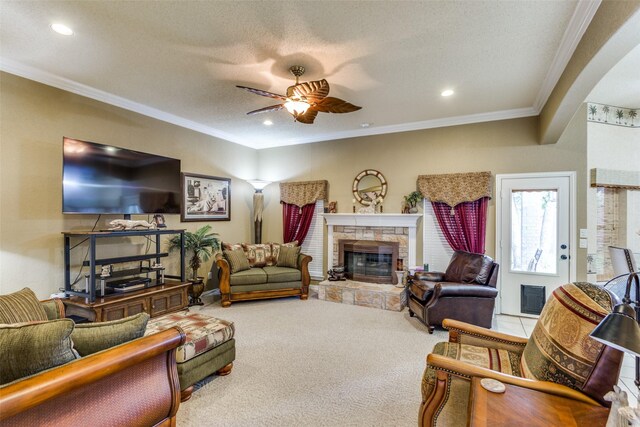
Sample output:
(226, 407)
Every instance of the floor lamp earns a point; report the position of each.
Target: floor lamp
(258, 206)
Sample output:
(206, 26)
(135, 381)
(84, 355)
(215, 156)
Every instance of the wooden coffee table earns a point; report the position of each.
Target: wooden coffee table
(521, 406)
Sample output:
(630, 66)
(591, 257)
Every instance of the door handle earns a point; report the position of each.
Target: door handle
(563, 257)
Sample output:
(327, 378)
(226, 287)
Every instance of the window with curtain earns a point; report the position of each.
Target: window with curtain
(459, 202)
(435, 250)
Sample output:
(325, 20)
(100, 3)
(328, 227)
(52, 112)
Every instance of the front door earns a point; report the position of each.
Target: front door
(533, 247)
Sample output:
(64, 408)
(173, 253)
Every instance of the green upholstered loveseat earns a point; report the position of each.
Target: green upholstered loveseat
(264, 279)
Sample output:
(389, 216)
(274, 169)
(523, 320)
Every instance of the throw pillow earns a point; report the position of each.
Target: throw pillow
(231, 246)
(89, 338)
(257, 254)
(288, 256)
(28, 348)
(20, 307)
(275, 250)
(237, 260)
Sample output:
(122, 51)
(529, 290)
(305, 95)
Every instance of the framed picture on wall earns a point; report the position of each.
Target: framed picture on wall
(205, 198)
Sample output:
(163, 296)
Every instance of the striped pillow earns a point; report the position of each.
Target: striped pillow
(275, 251)
(288, 256)
(21, 307)
(237, 260)
(47, 344)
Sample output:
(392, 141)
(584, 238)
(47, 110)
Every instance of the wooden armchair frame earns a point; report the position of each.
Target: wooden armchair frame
(446, 368)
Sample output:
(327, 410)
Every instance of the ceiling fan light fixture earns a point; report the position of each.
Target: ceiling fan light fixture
(296, 107)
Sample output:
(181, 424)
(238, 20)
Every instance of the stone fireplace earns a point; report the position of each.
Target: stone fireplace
(369, 260)
(387, 230)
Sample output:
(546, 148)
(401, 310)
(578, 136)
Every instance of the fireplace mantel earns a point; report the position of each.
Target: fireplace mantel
(409, 221)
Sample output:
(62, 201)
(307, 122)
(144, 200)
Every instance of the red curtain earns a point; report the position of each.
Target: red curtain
(296, 221)
(463, 226)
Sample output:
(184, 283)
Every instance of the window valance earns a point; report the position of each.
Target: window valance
(304, 192)
(610, 178)
(455, 188)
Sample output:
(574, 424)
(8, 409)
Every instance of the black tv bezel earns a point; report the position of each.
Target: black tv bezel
(126, 214)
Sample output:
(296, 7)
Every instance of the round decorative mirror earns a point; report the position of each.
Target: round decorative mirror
(368, 185)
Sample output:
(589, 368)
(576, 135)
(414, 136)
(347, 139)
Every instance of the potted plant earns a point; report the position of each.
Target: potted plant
(412, 200)
(201, 244)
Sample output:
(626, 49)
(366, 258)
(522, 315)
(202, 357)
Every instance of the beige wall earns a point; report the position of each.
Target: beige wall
(509, 146)
(34, 118)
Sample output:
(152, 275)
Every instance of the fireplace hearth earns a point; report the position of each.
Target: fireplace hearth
(369, 260)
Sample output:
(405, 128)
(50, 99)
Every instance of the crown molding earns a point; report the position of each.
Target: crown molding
(406, 127)
(68, 85)
(50, 79)
(582, 16)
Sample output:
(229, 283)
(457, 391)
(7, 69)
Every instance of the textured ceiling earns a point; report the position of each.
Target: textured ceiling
(181, 60)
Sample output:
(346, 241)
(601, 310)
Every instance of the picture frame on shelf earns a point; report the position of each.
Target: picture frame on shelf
(205, 198)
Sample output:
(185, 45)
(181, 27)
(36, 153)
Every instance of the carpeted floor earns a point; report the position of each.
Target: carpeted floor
(315, 363)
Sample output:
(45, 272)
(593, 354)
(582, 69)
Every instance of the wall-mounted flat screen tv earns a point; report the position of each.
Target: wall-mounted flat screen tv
(102, 179)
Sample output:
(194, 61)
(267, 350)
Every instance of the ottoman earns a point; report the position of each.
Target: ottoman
(209, 348)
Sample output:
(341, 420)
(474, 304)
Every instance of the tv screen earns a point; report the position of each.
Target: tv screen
(102, 179)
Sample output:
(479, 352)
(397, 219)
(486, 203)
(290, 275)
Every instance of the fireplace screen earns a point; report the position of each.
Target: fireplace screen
(369, 261)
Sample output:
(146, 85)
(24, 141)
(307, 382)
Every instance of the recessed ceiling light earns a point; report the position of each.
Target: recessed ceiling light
(62, 29)
(447, 92)
(365, 125)
(267, 123)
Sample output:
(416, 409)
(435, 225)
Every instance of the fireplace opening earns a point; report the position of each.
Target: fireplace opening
(369, 260)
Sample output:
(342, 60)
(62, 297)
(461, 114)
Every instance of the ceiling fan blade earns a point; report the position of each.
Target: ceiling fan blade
(313, 91)
(308, 117)
(334, 105)
(262, 92)
(276, 107)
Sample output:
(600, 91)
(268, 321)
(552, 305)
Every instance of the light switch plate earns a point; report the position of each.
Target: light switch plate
(583, 243)
(583, 234)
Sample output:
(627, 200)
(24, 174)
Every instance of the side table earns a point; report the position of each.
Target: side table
(522, 406)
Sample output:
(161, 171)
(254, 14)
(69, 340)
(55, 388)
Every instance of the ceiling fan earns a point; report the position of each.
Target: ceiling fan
(304, 100)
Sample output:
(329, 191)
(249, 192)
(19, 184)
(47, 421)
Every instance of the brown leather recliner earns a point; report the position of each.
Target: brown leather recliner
(465, 292)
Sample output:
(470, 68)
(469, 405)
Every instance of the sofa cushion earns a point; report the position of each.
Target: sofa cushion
(273, 286)
(21, 306)
(499, 360)
(89, 338)
(288, 256)
(277, 274)
(253, 276)
(237, 260)
(29, 348)
(203, 332)
(257, 254)
(463, 267)
(560, 349)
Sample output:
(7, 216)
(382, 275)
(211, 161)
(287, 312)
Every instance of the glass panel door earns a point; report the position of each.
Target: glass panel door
(534, 231)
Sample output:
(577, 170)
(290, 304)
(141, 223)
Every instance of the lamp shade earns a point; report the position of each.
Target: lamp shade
(619, 330)
(258, 184)
(296, 107)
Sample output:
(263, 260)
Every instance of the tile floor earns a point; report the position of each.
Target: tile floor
(523, 326)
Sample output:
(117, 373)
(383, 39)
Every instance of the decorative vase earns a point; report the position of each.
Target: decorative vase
(195, 290)
(400, 276)
(413, 209)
